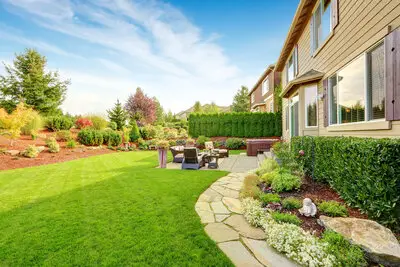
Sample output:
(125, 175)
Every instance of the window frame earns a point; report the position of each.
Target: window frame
(367, 89)
(265, 89)
(315, 34)
(305, 106)
(287, 68)
(252, 98)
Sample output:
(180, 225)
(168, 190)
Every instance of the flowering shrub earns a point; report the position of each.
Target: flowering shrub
(253, 212)
(31, 152)
(82, 123)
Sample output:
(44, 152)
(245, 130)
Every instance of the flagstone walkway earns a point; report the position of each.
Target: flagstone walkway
(220, 211)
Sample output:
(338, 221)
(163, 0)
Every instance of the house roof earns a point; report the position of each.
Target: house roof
(262, 77)
(300, 20)
(310, 76)
(257, 105)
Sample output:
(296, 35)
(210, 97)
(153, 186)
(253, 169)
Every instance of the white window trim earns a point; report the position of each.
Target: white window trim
(315, 49)
(252, 97)
(366, 116)
(264, 92)
(305, 107)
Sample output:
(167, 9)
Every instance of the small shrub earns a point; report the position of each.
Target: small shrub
(142, 144)
(82, 123)
(268, 177)
(270, 198)
(291, 203)
(52, 144)
(134, 133)
(283, 180)
(35, 123)
(144, 133)
(90, 137)
(182, 133)
(31, 152)
(253, 212)
(170, 133)
(333, 208)
(189, 142)
(234, 143)
(98, 122)
(112, 125)
(126, 134)
(162, 144)
(346, 254)
(201, 140)
(268, 165)
(71, 143)
(250, 187)
(63, 135)
(219, 144)
(172, 143)
(58, 123)
(180, 142)
(285, 218)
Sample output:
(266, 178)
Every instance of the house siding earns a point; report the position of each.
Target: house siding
(273, 79)
(361, 25)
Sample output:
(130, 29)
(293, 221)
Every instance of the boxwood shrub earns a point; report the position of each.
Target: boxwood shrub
(90, 137)
(111, 138)
(58, 123)
(364, 171)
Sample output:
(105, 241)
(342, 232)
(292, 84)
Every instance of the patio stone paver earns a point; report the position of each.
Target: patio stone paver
(220, 211)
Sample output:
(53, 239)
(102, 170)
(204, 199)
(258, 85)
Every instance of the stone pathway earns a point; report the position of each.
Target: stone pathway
(220, 211)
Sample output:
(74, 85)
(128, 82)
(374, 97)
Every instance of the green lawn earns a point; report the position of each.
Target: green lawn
(236, 152)
(114, 209)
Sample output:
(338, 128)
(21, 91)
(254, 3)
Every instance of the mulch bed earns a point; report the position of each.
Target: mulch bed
(317, 192)
(9, 162)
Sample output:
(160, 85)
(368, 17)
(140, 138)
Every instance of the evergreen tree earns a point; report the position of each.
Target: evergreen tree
(212, 108)
(160, 116)
(28, 81)
(241, 101)
(118, 115)
(197, 108)
(134, 133)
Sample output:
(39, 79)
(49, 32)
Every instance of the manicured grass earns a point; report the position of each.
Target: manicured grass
(114, 209)
(236, 152)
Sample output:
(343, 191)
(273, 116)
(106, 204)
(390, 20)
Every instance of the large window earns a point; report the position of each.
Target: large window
(265, 86)
(322, 24)
(252, 97)
(290, 69)
(310, 98)
(356, 92)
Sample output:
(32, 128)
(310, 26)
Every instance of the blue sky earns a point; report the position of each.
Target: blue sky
(179, 50)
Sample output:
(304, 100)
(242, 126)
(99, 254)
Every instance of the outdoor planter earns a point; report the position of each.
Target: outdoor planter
(162, 157)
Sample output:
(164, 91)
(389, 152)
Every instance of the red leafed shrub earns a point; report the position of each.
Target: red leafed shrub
(83, 123)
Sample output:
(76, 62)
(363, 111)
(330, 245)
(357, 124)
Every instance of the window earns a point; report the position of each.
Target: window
(265, 86)
(252, 98)
(321, 24)
(310, 98)
(271, 106)
(357, 92)
(287, 117)
(290, 69)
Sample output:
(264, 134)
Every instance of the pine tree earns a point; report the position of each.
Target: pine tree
(118, 115)
(28, 81)
(241, 101)
(134, 133)
(197, 108)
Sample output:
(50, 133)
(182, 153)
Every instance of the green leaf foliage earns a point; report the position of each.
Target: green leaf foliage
(291, 203)
(134, 133)
(285, 218)
(118, 115)
(58, 123)
(364, 171)
(270, 198)
(243, 124)
(90, 137)
(333, 208)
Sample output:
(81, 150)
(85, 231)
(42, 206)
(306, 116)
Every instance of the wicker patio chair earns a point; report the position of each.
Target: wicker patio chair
(192, 159)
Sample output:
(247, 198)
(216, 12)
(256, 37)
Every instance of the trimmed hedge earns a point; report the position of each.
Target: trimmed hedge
(242, 124)
(90, 137)
(364, 171)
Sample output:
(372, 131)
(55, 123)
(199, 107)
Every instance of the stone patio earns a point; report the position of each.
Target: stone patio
(220, 211)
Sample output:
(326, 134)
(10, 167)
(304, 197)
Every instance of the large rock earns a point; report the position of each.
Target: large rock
(379, 243)
(12, 152)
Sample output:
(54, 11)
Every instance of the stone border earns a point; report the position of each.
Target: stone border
(220, 211)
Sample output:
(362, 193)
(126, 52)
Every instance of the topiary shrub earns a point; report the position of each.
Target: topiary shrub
(90, 137)
(58, 123)
(285, 218)
(63, 135)
(31, 152)
(291, 203)
(234, 143)
(333, 209)
(52, 144)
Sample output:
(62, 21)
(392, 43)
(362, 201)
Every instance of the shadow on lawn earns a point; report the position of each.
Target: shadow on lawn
(141, 216)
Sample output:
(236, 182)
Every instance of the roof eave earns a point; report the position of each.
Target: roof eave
(294, 83)
(268, 70)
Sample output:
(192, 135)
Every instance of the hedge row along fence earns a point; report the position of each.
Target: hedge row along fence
(246, 124)
(364, 171)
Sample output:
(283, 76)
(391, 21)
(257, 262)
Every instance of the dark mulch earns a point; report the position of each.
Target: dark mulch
(317, 192)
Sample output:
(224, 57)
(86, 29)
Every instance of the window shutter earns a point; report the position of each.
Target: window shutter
(335, 13)
(312, 35)
(392, 75)
(326, 107)
(296, 60)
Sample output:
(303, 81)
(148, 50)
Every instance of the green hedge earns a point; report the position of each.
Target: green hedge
(364, 171)
(244, 124)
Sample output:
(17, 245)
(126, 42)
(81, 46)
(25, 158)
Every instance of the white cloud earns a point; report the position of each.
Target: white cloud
(150, 43)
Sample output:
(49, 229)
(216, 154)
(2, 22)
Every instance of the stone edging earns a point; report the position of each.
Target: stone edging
(220, 211)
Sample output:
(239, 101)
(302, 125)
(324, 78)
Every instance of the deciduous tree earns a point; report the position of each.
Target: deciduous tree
(141, 107)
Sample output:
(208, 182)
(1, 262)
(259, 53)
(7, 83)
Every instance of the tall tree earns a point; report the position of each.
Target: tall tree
(241, 101)
(28, 81)
(160, 116)
(197, 108)
(212, 108)
(141, 107)
(118, 115)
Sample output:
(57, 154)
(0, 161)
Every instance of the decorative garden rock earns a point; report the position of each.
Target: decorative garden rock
(377, 241)
(12, 152)
(309, 208)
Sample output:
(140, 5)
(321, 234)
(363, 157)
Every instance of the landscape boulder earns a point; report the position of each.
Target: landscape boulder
(12, 152)
(379, 243)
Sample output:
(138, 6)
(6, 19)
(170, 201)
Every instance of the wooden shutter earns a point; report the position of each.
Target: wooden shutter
(335, 13)
(392, 75)
(326, 107)
(296, 60)
(312, 35)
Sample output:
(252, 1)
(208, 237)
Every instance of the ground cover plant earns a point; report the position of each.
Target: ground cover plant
(333, 209)
(285, 218)
(114, 209)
